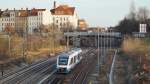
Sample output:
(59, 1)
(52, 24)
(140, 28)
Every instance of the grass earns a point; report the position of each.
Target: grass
(42, 53)
(136, 48)
(37, 47)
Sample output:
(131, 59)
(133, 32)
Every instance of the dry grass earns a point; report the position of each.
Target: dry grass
(37, 47)
(42, 53)
(136, 48)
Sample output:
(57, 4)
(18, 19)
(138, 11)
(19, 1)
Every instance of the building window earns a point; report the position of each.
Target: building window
(53, 18)
(56, 21)
(56, 26)
(64, 18)
(67, 19)
(64, 25)
(60, 24)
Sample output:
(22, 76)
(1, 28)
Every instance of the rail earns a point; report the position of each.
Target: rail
(112, 69)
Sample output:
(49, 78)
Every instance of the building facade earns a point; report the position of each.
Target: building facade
(7, 19)
(22, 20)
(82, 25)
(64, 16)
(37, 18)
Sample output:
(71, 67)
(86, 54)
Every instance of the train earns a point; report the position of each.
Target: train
(68, 60)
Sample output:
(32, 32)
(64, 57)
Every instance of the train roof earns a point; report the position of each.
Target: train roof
(70, 52)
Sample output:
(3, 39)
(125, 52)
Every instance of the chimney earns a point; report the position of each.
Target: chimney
(14, 9)
(54, 4)
(21, 8)
(26, 8)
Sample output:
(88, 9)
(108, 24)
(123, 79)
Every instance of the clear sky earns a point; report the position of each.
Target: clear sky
(96, 12)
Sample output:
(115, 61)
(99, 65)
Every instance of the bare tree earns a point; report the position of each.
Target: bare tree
(54, 36)
(3, 47)
(143, 14)
(9, 30)
(132, 13)
(41, 29)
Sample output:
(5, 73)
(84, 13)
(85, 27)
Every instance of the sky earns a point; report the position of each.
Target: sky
(102, 13)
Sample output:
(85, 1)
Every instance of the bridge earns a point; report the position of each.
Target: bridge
(90, 39)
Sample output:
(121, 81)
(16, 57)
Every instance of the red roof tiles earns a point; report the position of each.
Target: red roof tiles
(63, 10)
(32, 12)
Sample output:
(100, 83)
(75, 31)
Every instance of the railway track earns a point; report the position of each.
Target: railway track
(44, 72)
(16, 71)
(33, 72)
(55, 78)
(78, 75)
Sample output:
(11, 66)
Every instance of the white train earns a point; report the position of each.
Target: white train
(68, 60)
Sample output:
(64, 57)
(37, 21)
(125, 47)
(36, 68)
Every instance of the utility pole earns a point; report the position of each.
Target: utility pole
(68, 36)
(98, 53)
(2, 69)
(25, 39)
(110, 38)
(107, 39)
(101, 44)
(104, 47)
(53, 40)
(9, 45)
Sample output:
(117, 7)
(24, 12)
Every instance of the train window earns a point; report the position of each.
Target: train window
(63, 60)
(71, 62)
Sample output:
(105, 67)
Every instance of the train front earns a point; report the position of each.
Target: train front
(62, 64)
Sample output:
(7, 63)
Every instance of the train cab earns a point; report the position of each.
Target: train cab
(62, 62)
(67, 61)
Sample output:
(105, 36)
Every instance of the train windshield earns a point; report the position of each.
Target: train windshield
(63, 60)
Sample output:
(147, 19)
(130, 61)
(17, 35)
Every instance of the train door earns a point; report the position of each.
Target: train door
(74, 59)
(78, 57)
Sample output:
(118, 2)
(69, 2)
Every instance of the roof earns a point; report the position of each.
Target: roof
(63, 10)
(32, 12)
(81, 20)
(70, 52)
(21, 13)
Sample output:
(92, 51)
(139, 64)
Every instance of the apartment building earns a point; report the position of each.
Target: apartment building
(7, 18)
(38, 17)
(82, 24)
(64, 16)
(24, 19)
(21, 21)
